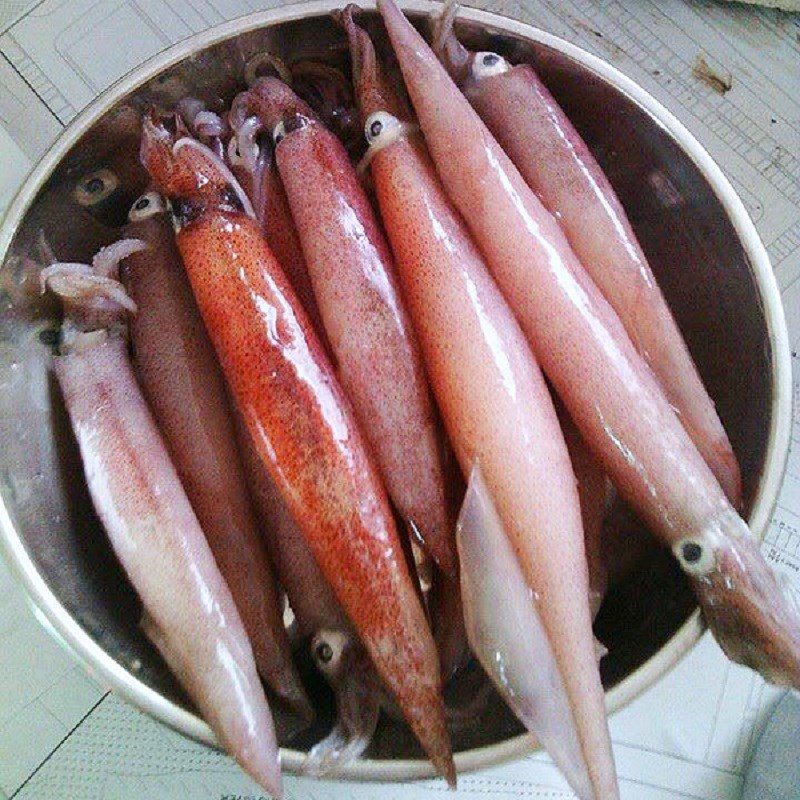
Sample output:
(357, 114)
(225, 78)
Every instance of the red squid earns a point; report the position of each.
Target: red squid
(301, 423)
(178, 371)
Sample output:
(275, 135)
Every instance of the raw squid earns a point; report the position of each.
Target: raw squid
(558, 166)
(351, 269)
(607, 388)
(499, 415)
(333, 643)
(189, 611)
(301, 423)
(178, 371)
(253, 163)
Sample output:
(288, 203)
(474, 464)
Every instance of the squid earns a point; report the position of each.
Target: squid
(607, 388)
(371, 338)
(560, 169)
(189, 612)
(300, 422)
(595, 493)
(503, 426)
(492, 577)
(250, 156)
(323, 626)
(177, 369)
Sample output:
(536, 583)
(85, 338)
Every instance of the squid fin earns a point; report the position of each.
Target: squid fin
(508, 637)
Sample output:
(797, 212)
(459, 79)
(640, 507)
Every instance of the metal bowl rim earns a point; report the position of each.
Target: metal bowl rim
(71, 635)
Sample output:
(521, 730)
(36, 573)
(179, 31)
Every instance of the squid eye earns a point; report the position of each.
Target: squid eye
(378, 124)
(95, 187)
(327, 649)
(148, 205)
(278, 132)
(49, 336)
(695, 557)
(487, 64)
(324, 653)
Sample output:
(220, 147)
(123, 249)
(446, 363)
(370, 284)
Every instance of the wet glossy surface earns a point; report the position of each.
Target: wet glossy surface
(677, 219)
(189, 611)
(178, 371)
(498, 604)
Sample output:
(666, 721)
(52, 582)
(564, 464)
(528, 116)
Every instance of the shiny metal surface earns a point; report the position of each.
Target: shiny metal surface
(702, 246)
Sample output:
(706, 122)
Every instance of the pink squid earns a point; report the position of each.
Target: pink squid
(607, 388)
(503, 426)
(189, 612)
(558, 166)
(300, 423)
(178, 371)
(377, 357)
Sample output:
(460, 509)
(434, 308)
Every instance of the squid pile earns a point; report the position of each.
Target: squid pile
(372, 361)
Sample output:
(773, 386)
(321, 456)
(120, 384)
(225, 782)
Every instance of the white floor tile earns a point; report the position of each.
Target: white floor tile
(26, 741)
(71, 697)
(30, 663)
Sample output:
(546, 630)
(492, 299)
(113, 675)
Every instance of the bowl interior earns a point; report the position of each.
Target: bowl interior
(692, 246)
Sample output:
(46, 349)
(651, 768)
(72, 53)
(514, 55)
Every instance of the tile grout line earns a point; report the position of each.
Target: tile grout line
(56, 748)
(28, 84)
(21, 17)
